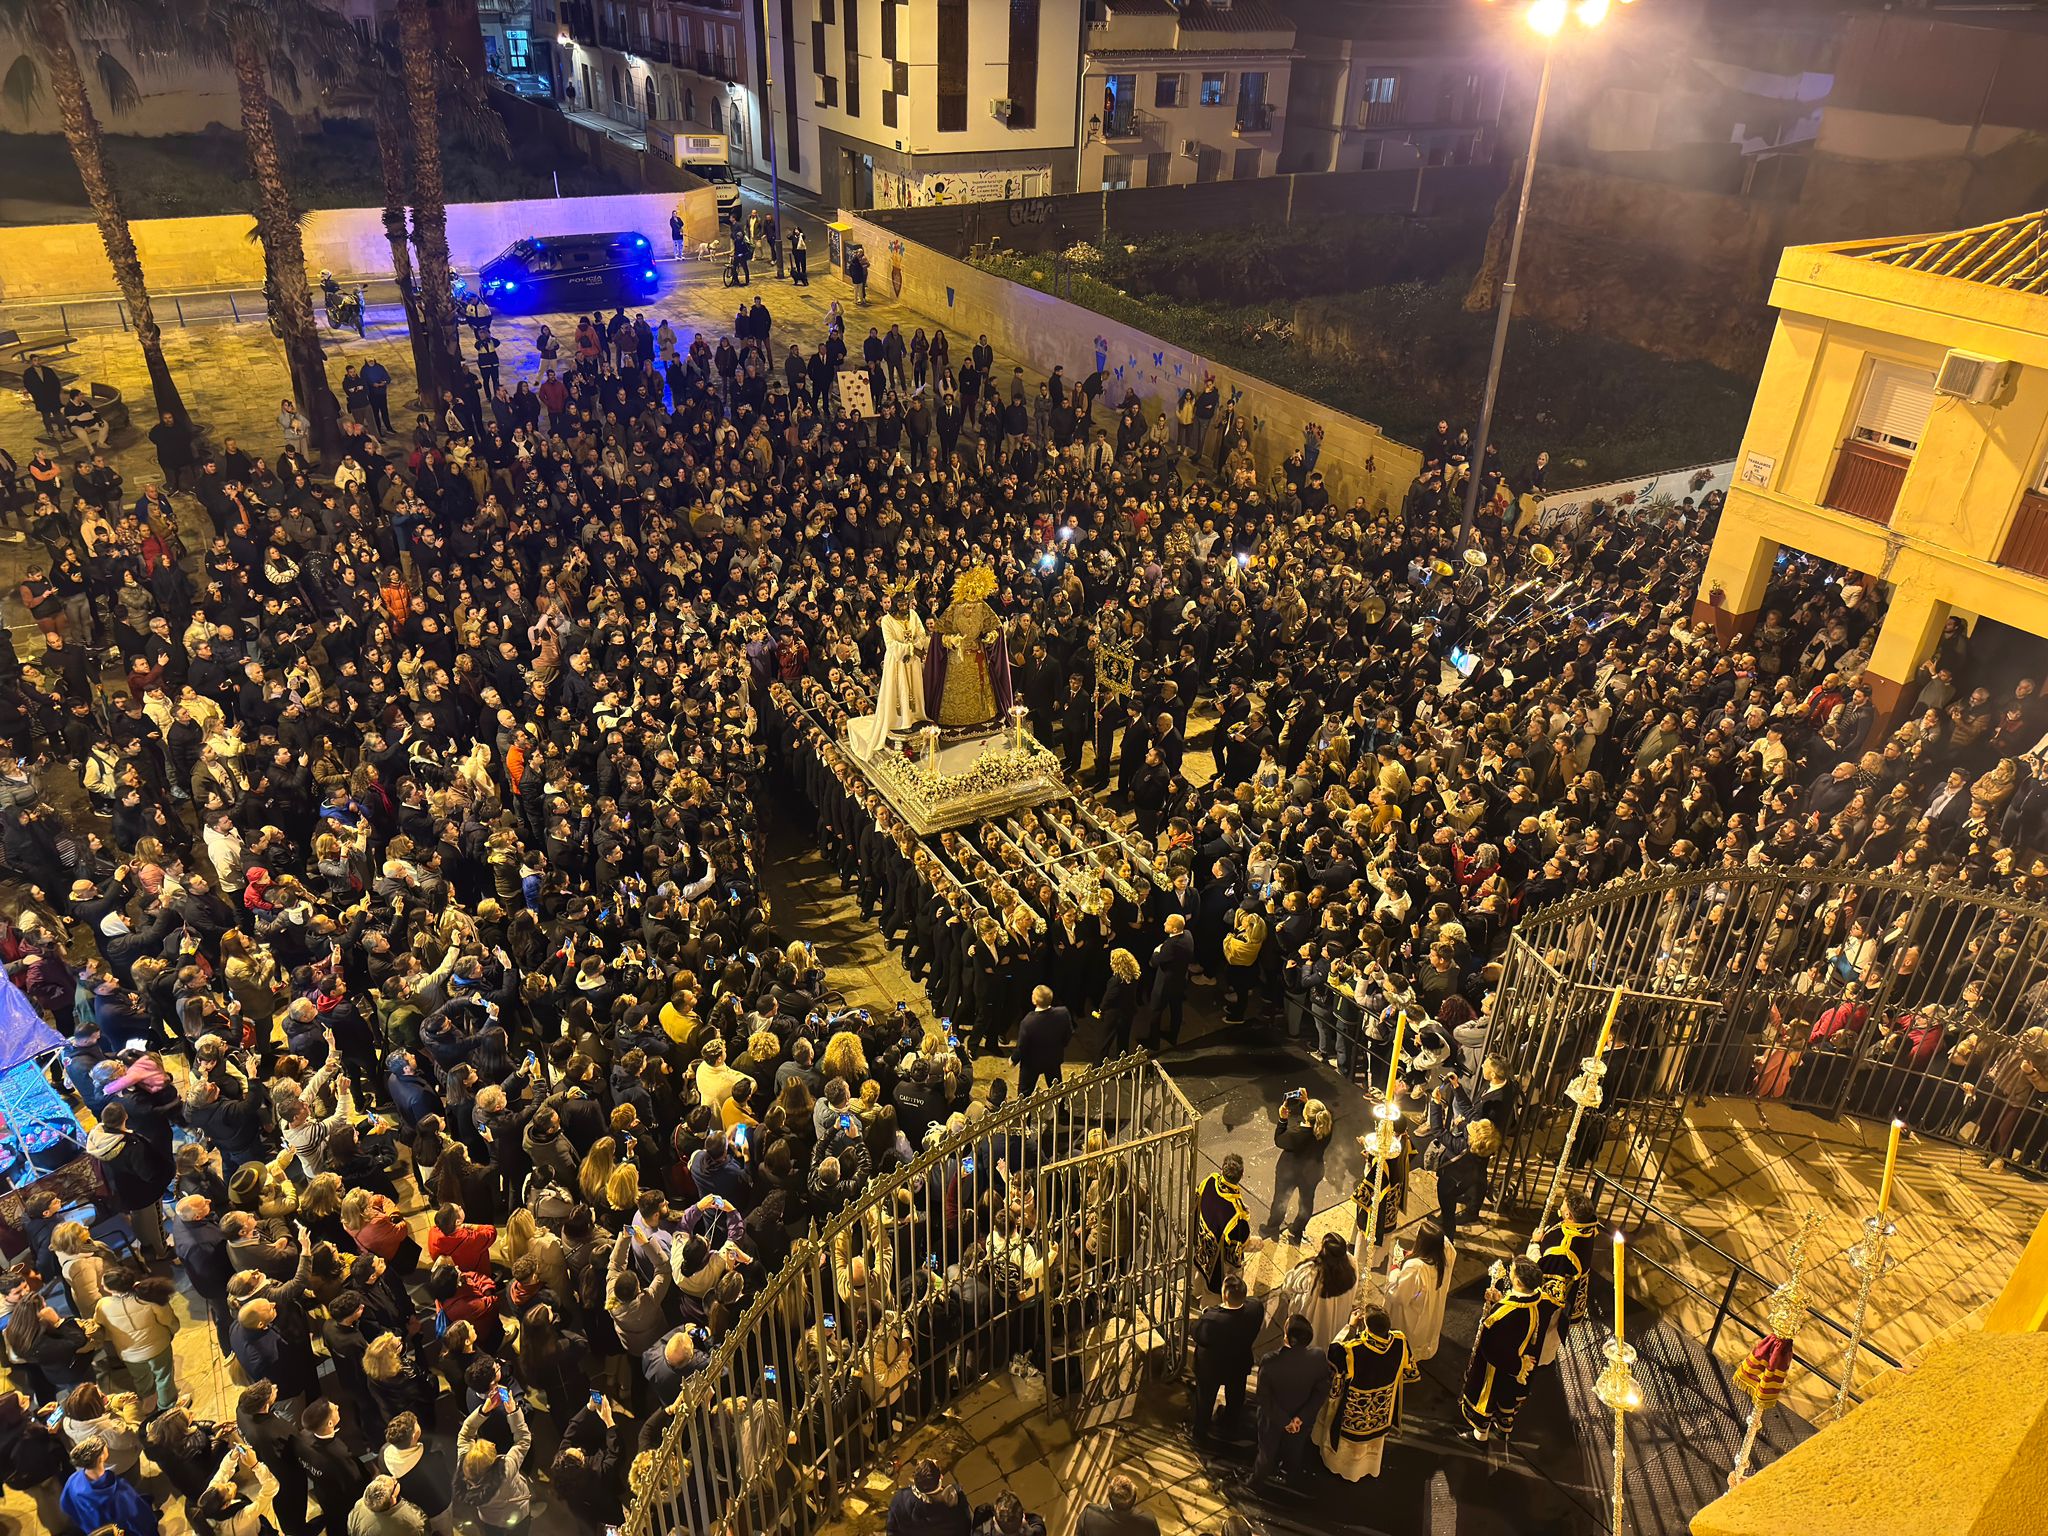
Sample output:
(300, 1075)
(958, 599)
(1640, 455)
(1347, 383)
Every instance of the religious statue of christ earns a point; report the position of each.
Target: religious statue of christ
(967, 670)
(899, 701)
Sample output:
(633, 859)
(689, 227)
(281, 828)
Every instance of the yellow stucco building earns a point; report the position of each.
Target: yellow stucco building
(1901, 429)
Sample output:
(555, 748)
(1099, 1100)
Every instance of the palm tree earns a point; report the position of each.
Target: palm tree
(389, 118)
(45, 29)
(374, 88)
(261, 40)
(424, 71)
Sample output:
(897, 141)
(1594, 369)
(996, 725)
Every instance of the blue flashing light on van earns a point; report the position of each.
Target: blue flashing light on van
(567, 272)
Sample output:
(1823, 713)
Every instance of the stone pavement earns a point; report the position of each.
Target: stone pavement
(1740, 1176)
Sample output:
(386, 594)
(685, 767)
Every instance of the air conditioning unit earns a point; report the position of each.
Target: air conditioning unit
(1190, 148)
(1968, 376)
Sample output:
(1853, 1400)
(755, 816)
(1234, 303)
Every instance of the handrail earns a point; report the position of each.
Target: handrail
(1739, 1270)
(707, 1395)
(1582, 903)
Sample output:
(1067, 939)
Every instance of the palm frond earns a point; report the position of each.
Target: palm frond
(123, 94)
(303, 217)
(284, 74)
(22, 86)
(468, 114)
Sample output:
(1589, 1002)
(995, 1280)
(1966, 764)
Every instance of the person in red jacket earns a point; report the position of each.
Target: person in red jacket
(468, 1244)
(461, 1297)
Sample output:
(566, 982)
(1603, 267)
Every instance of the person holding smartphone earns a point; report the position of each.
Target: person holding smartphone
(587, 1470)
(1302, 1133)
(490, 1488)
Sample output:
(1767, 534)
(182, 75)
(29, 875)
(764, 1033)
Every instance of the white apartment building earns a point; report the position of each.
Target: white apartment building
(640, 61)
(1181, 91)
(898, 103)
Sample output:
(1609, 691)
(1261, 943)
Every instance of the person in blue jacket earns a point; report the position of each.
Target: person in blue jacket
(95, 1496)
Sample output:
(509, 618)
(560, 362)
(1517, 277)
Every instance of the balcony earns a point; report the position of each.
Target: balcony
(1866, 482)
(2026, 546)
(715, 66)
(1380, 114)
(1253, 117)
(659, 50)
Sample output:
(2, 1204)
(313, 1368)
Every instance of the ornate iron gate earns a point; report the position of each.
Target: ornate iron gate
(1055, 1229)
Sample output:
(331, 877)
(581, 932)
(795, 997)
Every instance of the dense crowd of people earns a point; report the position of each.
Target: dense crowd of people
(389, 852)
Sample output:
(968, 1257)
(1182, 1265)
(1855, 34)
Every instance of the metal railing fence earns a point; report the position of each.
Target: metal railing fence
(1050, 1238)
(1832, 991)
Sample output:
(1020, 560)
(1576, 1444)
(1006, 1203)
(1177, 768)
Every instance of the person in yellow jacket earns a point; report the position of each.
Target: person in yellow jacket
(1242, 947)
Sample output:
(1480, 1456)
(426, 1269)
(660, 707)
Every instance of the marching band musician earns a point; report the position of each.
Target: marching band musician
(1371, 1368)
(1504, 1355)
(1565, 1253)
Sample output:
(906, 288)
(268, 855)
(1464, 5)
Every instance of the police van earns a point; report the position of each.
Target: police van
(563, 272)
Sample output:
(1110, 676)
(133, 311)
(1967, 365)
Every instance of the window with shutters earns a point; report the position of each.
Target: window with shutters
(1023, 82)
(850, 28)
(1897, 400)
(952, 49)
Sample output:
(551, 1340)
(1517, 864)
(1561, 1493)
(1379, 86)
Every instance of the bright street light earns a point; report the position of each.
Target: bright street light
(1547, 19)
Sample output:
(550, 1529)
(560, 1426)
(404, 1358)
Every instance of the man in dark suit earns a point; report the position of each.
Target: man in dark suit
(1076, 723)
(1293, 1381)
(1171, 962)
(338, 1478)
(46, 389)
(1224, 1336)
(1949, 809)
(273, 1440)
(1043, 1036)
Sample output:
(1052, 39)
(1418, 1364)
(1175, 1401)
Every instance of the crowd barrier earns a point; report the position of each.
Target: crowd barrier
(1825, 990)
(1049, 1240)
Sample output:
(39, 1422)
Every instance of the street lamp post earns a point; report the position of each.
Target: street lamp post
(1547, 18)
(768, 130)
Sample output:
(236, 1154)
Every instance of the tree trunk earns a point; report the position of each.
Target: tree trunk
(284, 253)
(422, 54)
(391, 162)
(88, 150)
